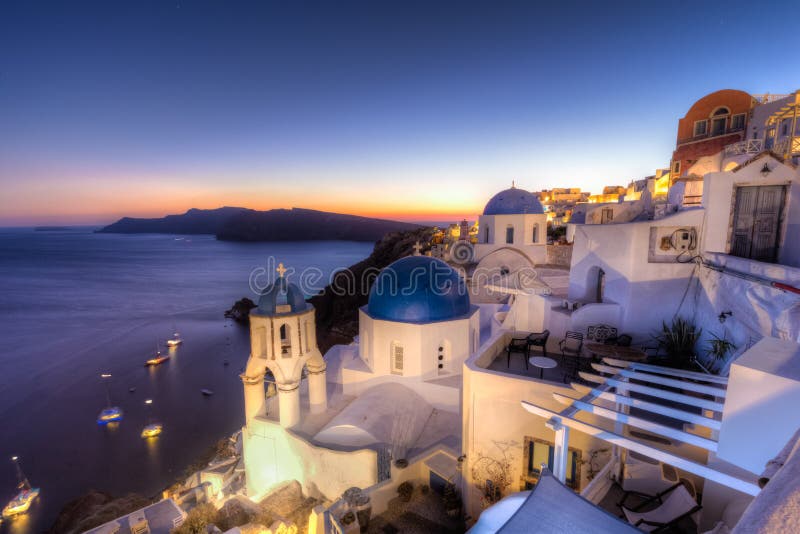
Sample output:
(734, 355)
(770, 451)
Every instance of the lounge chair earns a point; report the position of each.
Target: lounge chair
(676, 504)
(645, 477)
(571, 347)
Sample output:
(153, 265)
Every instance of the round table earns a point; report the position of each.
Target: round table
(542, 362)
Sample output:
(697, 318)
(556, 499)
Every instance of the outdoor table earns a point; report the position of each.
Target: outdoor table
(629, 354)
(542, 362)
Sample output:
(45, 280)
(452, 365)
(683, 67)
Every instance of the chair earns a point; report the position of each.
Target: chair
(676, 504)
(645, 477)
(571, 347)
(524, 344)
(539, 339)
(600, 332)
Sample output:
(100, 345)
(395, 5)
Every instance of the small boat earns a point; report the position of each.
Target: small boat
(22, 500)
(206, 392)
(109, 415)
(225, 363)
(152, 430)
(158, 360)
(175, 341)
(131, 390)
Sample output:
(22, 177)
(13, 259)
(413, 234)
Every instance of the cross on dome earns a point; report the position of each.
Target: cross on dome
(281, 270)
(417, 248)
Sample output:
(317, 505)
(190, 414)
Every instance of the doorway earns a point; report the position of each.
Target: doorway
(756, 222)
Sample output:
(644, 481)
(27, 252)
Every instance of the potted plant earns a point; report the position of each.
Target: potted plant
(678, 340)
(405, 490)
(718, 350)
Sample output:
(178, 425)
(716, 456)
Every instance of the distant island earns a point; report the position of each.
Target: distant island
(242, 224)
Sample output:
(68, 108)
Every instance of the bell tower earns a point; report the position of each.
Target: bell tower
(283, 340)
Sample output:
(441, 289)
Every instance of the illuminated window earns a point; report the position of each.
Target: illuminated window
(700, 127)
(737, 122)
(538, 452)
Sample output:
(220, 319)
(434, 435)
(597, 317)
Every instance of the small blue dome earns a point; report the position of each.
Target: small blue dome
(418, 289)
(281, 297)
(512, 202)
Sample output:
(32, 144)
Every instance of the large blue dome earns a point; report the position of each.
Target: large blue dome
(512, 202)
(418, 289)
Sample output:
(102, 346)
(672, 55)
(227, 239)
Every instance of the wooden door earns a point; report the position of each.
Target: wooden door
(756, 222)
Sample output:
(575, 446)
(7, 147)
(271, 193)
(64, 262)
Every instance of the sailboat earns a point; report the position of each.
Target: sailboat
(157, 359)
(109, 413)
(152, 429)
(22, 501)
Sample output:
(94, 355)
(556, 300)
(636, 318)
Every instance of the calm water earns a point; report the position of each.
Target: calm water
(75, 304)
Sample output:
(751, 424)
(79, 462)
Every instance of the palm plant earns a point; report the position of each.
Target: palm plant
(678, 340)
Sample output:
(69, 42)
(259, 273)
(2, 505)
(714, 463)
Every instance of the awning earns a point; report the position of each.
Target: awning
(554, 508)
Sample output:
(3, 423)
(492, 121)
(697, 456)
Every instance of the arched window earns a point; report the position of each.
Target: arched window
(719, 121)
(286, 341)
(535, 233)
(509, 234)
(396, 355)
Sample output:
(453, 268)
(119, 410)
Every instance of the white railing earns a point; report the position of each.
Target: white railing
(787, 146)
(766, 98)
(748, 146)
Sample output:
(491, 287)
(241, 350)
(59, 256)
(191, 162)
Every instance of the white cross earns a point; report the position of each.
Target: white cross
(417, 247)
(281, 270)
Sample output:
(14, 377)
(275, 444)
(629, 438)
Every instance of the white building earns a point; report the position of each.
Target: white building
(512, 219)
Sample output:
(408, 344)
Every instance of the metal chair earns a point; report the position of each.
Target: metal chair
(518, 344)
(539, 339)
(571, 347)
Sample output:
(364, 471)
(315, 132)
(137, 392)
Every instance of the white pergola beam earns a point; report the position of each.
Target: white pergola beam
(678, 373)
(643, 424)
(656, 379)
(660, 409)
(651, 452)
(653, 392)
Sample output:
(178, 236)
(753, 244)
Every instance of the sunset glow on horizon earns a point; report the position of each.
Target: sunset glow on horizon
(416, 113)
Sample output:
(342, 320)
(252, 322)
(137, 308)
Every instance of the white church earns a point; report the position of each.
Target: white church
(430, 393)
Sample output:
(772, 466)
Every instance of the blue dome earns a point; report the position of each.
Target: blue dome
(281, 297)
(512, 202)
(418, 289)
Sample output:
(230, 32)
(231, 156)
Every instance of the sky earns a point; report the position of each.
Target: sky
(404, 110)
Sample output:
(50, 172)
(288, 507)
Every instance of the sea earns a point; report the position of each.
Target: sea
(75, 304)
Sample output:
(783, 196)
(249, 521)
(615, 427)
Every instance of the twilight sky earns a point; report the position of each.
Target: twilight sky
(396, 109)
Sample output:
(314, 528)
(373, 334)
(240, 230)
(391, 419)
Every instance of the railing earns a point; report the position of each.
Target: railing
(787, 146)
(748, 146)
(766, 98)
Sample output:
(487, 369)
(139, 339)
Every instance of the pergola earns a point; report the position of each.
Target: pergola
(616, 380)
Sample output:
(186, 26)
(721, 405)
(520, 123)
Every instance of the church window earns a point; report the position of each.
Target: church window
(510, 234)
(535, 233)
(397, 358)
(486, 235)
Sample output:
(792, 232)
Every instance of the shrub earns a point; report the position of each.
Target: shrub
(405, 490)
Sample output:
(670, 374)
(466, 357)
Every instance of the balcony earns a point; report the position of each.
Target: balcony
(748, 146)
(787, 146)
